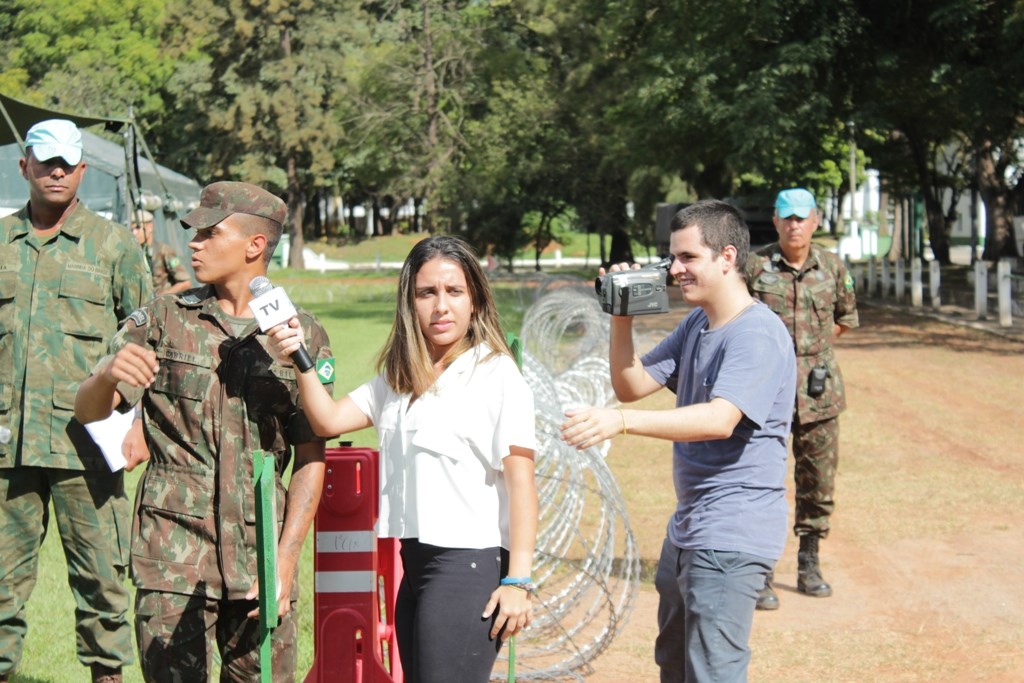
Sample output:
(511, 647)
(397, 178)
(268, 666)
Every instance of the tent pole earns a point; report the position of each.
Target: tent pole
(156, 169)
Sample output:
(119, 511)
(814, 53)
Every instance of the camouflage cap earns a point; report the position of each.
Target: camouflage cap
(220, 200)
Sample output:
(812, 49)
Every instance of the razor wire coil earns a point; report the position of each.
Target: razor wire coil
(586, 564)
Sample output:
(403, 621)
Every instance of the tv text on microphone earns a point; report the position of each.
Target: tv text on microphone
(272, 307)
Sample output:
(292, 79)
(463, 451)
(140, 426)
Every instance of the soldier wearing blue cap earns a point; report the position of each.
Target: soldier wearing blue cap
(67, 278)
(811, 290)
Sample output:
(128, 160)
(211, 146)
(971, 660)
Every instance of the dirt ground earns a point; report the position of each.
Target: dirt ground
(926, 555)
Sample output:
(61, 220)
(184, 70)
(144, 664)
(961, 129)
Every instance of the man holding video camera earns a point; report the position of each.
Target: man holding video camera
(812, 292)
(731, 365)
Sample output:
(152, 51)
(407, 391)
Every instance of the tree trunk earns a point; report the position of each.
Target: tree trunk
(295, 259)
(541, 240)
(840, 219)
(1000, 204)
(350, 219)
(621, 250)
(899, 231)
(417, 206)
(938, 229)
(295, 245)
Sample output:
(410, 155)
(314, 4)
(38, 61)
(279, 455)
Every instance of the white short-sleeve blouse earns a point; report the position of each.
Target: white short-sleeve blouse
(441, 477)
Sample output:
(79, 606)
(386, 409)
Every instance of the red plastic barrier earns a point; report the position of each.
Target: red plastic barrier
(356, 577)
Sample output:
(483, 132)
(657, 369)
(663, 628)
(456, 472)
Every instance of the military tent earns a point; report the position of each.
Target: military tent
(117, 180)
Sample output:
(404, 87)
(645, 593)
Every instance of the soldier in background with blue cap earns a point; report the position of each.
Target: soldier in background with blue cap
(67, 279)
(811, 290)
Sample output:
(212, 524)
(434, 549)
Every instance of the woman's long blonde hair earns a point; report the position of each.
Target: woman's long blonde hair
(405, 359)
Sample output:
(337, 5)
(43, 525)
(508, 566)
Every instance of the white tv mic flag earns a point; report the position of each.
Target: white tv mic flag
(272, 307)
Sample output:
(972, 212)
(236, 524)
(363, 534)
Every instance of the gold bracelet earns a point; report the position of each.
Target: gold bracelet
(623, 416)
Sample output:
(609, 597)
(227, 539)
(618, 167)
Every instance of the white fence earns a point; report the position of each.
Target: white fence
(878, 278)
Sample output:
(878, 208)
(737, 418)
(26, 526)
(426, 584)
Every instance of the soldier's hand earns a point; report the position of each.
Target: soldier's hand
(285, 340)
(134, 448)
(284, 591)
(134, 365)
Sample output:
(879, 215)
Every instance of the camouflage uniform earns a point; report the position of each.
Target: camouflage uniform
(166, 267)
(810, 301)
(61, 299)
(218, 396)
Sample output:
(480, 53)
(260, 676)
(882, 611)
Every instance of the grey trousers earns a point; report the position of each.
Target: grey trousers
(705, 613)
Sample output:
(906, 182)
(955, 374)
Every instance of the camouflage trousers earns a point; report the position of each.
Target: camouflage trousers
(94, 521)
(176, 634)
(816, 455)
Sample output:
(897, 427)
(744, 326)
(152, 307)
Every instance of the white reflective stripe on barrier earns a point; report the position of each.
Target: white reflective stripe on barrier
(345, 582)
(346, 542)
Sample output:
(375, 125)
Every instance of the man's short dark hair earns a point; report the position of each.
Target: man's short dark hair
(260, 225)
(720, 225)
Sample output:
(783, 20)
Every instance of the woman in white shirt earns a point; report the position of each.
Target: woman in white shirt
(455, 422)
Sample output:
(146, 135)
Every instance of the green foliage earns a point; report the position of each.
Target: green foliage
(96, 57)
(943, 80)
(257, 88)
(500, 119)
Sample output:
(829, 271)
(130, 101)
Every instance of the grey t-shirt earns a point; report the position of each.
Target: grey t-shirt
(731, 492)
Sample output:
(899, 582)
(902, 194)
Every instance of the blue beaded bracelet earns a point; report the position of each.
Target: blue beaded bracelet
(523, 583)
(515, 581)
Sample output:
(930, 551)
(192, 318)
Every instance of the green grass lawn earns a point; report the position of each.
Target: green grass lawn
(395, 247)
(357, 316)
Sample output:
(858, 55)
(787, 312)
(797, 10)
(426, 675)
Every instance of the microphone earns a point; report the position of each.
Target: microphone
(271, 306)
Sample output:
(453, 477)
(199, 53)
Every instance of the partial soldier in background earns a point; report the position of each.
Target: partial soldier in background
(811, 290)
(170, 275)
(67, 279)
(211, 392)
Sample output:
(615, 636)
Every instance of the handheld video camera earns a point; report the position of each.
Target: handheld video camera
(635, 292)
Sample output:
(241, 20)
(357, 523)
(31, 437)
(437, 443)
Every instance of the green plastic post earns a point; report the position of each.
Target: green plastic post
(512, 660)
(266, 556)
(515, 344)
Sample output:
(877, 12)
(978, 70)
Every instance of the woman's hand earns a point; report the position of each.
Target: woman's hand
(515, 611)
(285, 340)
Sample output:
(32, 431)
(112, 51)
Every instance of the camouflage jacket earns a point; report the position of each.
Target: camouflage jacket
(810, 301)
(166, 266)
(216, 398)
(61, 300)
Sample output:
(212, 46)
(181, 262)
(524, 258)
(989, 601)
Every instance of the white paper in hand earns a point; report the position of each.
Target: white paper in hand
(109, 436)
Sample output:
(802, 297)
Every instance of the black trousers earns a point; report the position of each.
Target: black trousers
(442, 637)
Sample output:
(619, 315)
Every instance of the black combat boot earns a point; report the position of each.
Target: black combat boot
(766, 597)
(808, 576)
(104, 674)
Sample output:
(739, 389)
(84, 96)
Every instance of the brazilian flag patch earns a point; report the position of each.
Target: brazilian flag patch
(848, 283)
(325, 370)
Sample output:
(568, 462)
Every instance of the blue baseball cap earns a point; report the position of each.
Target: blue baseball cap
(795, 201)
(55, 138)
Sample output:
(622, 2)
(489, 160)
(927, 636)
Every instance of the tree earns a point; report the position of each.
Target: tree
(100, 57)
(255, 94)
(993, 94)
(944, 78)
(744, 97)
(410, 95)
